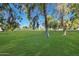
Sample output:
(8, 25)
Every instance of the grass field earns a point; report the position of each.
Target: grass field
(34, 43)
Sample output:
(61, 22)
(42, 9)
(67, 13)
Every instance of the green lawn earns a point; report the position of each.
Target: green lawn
(35, 43)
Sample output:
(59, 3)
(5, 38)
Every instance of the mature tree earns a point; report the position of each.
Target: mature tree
(10, 22)
(63, 11)
(35, 22)
(43, 9)
(29, 10)
(75, 11)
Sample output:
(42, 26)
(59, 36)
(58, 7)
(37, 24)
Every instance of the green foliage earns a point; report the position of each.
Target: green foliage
(29, 9)
(54, 24)
(75, 24)
(75, 7)
(10, 23)
(42, 7)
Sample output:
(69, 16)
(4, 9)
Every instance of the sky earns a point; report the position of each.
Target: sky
(51, 10)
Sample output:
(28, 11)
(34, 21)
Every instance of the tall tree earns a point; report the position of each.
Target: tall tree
(10, 21)
(35, 22)
(75, 11)
(29, 10)
(63, 11)
(43, 9)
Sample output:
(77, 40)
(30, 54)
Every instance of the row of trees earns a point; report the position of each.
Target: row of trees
(61, 10)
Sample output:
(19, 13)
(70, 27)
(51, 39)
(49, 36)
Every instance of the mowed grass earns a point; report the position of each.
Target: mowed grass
(35, 43)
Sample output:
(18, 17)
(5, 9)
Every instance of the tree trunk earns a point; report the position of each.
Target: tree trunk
(62, 22)
(46, 23)
(62, 17)
(65, 28)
